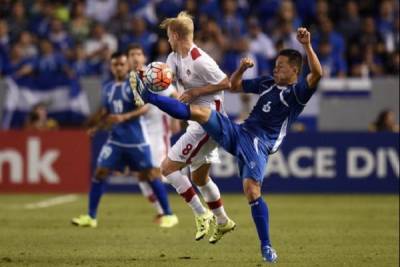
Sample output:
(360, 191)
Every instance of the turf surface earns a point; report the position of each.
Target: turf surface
(306, 230)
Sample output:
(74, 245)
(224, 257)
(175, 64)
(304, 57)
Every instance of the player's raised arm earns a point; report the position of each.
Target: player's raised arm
(304, 37)
(236, 78)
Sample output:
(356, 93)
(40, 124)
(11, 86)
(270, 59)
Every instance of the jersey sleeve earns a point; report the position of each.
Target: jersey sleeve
(257, 85)
(303, 92)
(208, 70)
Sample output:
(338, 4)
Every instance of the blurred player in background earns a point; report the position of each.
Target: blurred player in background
(159, 126)
(127, 144)
(281, 99)
(199, 80)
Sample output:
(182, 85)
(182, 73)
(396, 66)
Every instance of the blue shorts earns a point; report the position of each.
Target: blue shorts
(116, 158)
(251, 155)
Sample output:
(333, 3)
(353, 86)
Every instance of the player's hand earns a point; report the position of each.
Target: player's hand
(116, 118)
(188, 96)
(246, 63)
(303, 36)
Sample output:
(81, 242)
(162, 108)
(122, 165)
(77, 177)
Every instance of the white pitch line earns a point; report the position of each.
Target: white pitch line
(51, 202)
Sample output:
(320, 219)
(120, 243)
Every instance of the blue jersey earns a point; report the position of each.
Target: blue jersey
(117, 99)
(276, 108)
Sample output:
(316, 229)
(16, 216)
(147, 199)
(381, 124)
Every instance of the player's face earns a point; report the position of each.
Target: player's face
(172, 39)
(136, 59)
(284, 72)
(119, 67)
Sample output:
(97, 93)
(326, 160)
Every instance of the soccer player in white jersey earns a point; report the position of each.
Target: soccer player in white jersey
(200, 81)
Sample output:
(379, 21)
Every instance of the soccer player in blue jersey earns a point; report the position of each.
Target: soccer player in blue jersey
(127, 144)
(281, 99)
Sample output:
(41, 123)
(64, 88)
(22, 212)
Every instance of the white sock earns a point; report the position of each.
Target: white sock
(148, 193)
(184, 188)
(212, 196)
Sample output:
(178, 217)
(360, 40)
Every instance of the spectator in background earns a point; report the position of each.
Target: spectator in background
(386, 24)
(50, 63)
(139, 33)
(260, 43)
(321, 10)
(287, 12)
(79, 63)
(211, 39)
(99, 47)
(27, 43)
(231, 23)
(332, 65)
(287, 37)
(4, 36)
(16, 65)
(370, 36)
(101, 10)
(38, 120)
(350, 24)
(385, 122)
(58, 36)
(18, 21)
(43, 14)
(120, 23)
(326, 30)
(79, 27)
(162, 50)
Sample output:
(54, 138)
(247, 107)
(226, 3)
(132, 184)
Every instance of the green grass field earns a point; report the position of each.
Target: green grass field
(306, 230)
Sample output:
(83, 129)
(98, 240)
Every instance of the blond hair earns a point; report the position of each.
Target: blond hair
(182, 25)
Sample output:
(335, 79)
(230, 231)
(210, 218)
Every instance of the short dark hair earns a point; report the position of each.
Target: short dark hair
(117, 54)
(134, 46)
(294, 56)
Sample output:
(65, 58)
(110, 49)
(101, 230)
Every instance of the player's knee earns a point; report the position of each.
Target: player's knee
(101, 174)
(200, 114)
(166, 168)
(252, 189)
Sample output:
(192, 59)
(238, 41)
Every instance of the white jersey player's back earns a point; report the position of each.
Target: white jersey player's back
(197, 69)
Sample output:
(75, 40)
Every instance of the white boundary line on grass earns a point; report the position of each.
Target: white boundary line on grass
(54, 201)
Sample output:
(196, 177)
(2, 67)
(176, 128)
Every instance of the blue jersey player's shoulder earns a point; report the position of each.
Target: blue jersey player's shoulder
(257, 85)
(300, 93)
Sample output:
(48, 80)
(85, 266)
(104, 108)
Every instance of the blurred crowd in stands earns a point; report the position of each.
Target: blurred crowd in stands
(352, 38)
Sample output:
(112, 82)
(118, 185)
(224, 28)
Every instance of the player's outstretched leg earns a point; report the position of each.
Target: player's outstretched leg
(259, 212)
(95, 194)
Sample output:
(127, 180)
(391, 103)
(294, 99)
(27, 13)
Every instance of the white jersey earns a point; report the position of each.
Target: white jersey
(197, 69)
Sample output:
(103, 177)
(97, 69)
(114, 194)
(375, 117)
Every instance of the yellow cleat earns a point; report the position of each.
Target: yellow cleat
(203, 224)
(84, 221)
(168, 221)
(135, 85)
(221, 229)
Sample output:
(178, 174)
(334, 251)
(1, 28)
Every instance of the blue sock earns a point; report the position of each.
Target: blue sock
(259, 211)
(161, 194)
(169, 105)
(96, 191)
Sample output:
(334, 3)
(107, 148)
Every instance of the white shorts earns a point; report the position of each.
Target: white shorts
(195, 148)
(159, 146)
